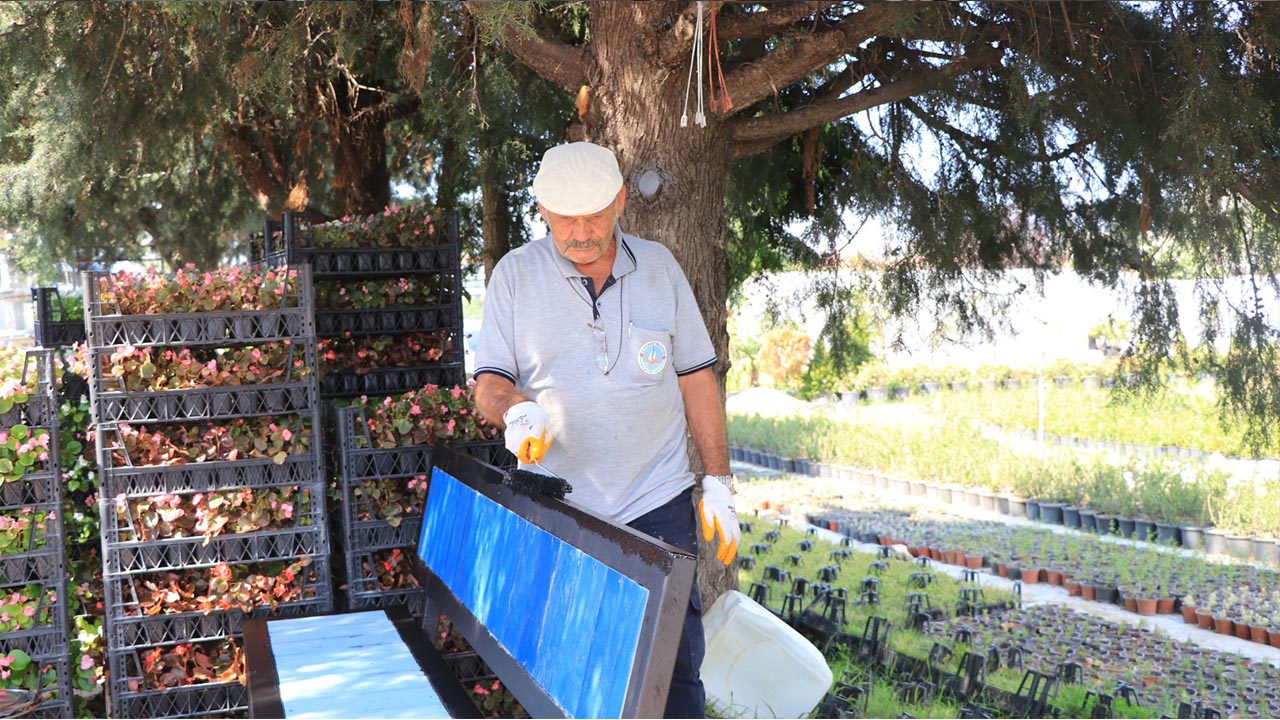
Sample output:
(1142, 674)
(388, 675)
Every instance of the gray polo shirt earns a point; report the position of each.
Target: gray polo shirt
(620, 435)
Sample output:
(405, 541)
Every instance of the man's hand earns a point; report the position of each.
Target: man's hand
(527, 435)
(719, 517)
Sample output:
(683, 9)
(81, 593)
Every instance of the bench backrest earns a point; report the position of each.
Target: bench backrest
(578, 616)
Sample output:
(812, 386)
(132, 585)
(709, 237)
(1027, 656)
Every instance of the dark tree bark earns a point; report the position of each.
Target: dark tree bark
(495, 224)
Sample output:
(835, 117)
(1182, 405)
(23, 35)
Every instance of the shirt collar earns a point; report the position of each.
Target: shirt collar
(624, 261)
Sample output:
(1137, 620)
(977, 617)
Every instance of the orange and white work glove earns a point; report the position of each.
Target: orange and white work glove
(527, 435)
(719, 517)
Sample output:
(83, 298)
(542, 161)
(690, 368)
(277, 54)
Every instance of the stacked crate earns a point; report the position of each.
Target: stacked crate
(287, 242)
(34, 568)
(370, 539)
(53, 326)
(370, 543)
(131, 560)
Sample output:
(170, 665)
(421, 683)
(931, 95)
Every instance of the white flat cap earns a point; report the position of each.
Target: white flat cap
(578, 178)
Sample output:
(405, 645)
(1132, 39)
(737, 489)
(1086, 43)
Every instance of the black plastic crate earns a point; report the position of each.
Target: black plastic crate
(370, 463)
(137, 481)
(209, 699)
(213, 328)
(413, 599)
(42, 488)
(292, 320)
(492, 452)
(117, 530)
(39, 539)
(32, 567)
(285, 243)
(218, 403)
(52, 328)
(56, 694)
(391, 380)
(49, 638)
(135, 630)
(264, 546)
(379, 535)
(388, 320)
(469, 667)
(40, 408)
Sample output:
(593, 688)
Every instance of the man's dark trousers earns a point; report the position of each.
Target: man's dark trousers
(675, 523)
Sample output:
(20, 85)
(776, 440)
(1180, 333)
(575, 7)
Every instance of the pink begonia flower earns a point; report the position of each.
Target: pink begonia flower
(286, 509)
(29, 611)
(4, 617)
(287, 434)
(4, 674)
(86, 662)
(6, 661)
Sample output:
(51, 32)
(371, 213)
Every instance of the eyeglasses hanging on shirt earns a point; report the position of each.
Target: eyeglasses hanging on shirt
(603, 359)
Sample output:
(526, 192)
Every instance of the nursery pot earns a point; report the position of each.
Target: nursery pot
(1146, 606)
(1071, 516)
(1204, 619)
(1168, 533)
(1215, 542)
(1051, 513)
(1144, 529)
(1240, 547)
(986, 501)
(1107, 594)
(1126, 527)
(1105, 524)
(1266, 550)
(1017, 507)
(1192, 536)
(1033, 509)
(1087, 518)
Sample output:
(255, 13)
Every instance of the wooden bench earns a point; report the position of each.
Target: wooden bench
(578, 616)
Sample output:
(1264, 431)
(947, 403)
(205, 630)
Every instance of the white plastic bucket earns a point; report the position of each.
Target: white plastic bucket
(758, 666)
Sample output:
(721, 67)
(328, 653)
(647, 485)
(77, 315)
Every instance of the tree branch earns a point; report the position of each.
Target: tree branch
(751, 83)
(967, 141)
(768, 21)
(550, 58)
(755, 134)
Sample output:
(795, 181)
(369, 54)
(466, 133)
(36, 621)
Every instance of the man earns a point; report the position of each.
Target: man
(595, 359)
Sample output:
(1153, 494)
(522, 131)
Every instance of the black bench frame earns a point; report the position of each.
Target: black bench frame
(665, 571)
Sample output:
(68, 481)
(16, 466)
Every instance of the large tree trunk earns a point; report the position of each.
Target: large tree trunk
(635, 109)
(361, 177)
(495, 224)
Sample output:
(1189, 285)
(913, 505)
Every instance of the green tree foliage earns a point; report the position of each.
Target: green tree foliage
(177, 125)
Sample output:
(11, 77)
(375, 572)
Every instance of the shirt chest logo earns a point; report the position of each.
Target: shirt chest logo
(652, 357)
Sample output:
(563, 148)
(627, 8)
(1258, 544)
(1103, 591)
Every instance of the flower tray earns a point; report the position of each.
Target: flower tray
(209, 699)
(31, 567)
(43, 489)
(119, 531)
(390, 320)
(144, 631)
(389, 381)
(46, 641)
(364, 535)
(219, 403)
(285, 244)
(52, 329)
(360, 599)
(142, 480)
(203, 328)
(150, 556)
(58, 705)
